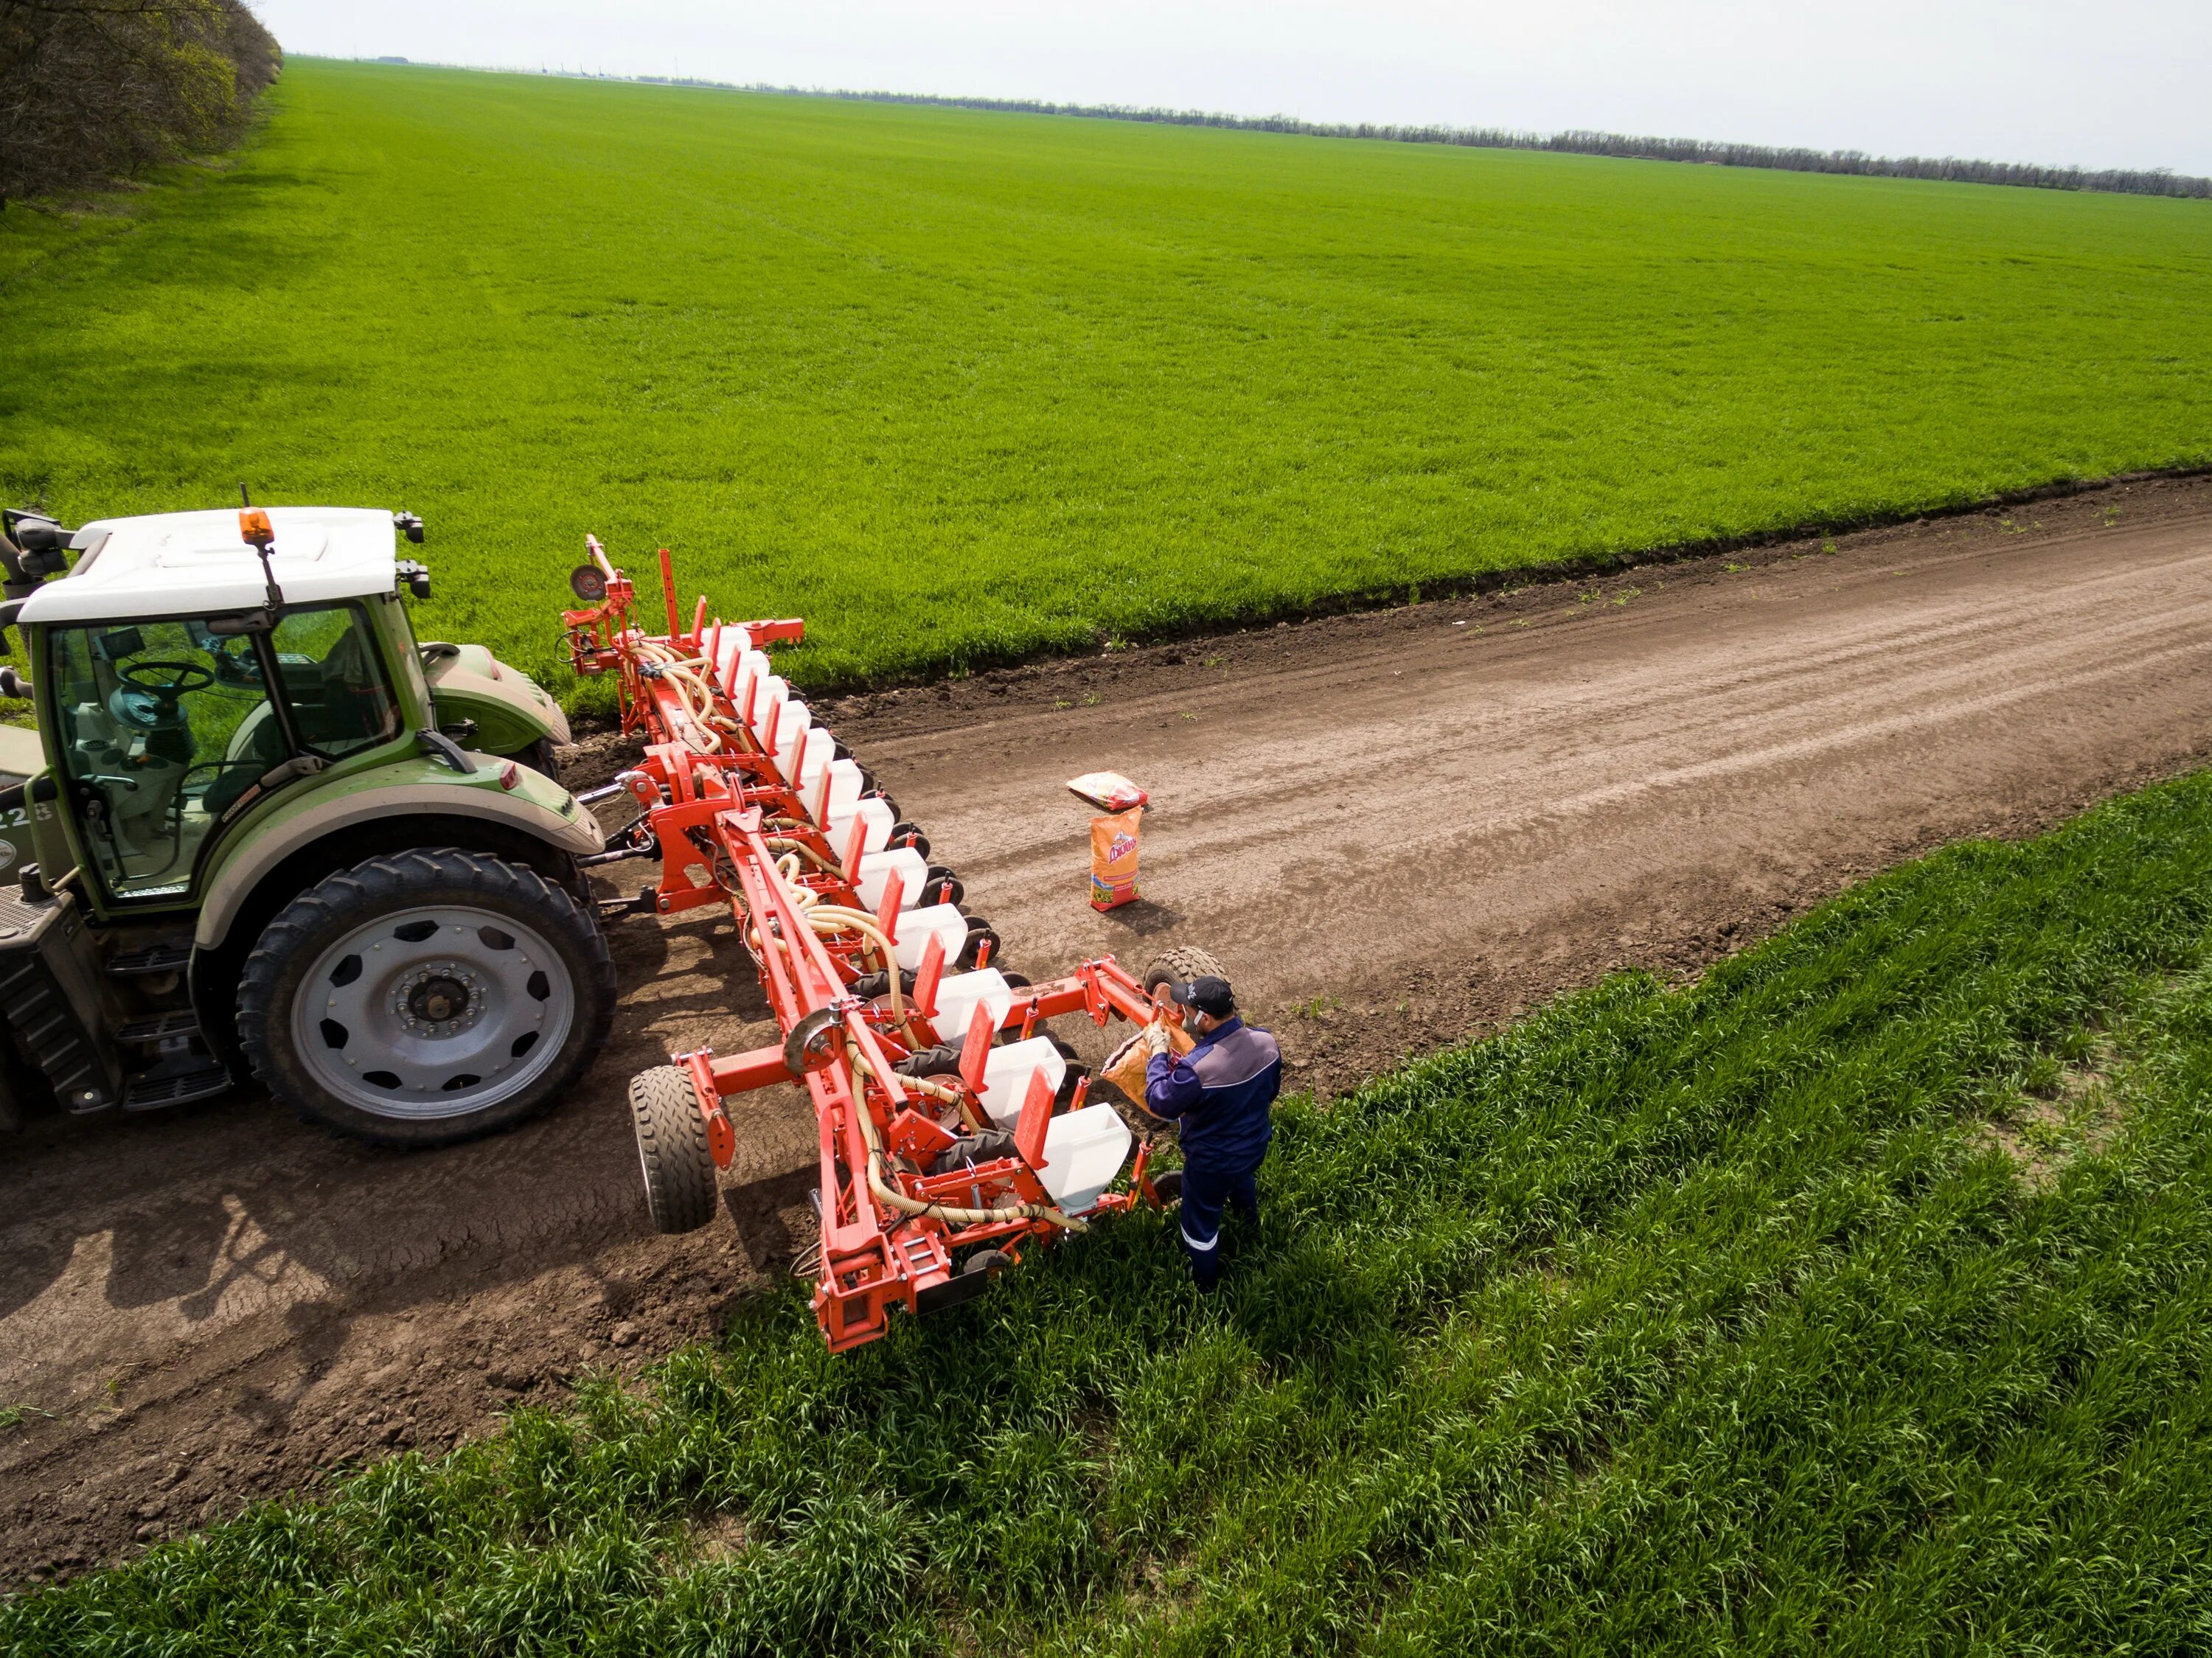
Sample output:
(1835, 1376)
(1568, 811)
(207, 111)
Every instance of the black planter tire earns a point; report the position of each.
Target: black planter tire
(979, 932)
(1180, 966)
(681, 1188)
(498, 981)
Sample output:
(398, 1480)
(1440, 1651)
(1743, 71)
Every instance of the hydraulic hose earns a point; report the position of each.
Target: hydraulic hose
(887, 1193)
(683, 673)
(827, 918)
(799, 849)
(833, 918)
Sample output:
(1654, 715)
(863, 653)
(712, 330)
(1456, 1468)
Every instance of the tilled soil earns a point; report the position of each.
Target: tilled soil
(1394, 829)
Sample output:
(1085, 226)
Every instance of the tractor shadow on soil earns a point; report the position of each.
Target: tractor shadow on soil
(230, 1213)
(758, 1209)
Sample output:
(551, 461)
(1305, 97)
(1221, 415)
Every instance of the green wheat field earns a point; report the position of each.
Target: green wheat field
(960, 387)
(1856, 1298)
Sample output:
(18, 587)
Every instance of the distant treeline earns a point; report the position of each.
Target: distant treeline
(94, 90)
(2156, 181)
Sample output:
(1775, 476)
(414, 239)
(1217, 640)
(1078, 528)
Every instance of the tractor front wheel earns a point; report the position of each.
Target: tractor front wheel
(426, 997)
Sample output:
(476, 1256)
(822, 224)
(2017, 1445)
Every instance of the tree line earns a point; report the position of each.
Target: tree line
(2133, 181)
(94, 90)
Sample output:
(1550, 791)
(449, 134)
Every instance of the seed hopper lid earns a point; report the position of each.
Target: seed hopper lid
(1108, 790)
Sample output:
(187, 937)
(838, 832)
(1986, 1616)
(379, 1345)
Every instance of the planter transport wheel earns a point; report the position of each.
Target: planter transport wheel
(1168, 1188)
(1180, 966)
(425, 998)
(680, 1188)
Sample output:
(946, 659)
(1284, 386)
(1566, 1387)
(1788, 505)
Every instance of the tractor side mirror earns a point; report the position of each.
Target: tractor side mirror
(45, 546)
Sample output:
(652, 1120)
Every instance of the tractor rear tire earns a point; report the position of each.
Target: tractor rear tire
(1180, 966)
(681, 1188)
(495, 993)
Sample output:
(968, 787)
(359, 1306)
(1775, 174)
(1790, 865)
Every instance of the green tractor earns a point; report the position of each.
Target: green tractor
(261, 830)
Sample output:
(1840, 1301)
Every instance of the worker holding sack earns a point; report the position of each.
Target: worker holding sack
(1219, 1092)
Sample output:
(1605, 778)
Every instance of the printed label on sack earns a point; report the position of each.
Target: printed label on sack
(1114, 857)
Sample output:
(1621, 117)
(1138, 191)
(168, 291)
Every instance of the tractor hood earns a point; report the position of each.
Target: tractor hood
(196, 564)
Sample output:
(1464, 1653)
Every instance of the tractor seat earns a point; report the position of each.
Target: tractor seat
(263, 747)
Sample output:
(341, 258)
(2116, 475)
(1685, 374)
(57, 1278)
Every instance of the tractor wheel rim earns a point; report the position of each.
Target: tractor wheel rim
(434, 1012)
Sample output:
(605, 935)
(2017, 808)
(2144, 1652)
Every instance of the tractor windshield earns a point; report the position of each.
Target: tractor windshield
(165, 724)
(333, 686)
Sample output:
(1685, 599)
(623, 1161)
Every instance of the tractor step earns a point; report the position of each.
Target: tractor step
(160, 1028)
(46, 992)
(160, 1088)
(157, 958)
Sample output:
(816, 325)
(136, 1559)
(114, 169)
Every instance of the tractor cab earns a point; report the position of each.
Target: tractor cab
(178, 678)
(166, 725)
(261, 828)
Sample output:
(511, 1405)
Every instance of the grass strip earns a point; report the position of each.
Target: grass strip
(960, 387)
(1707, 1318)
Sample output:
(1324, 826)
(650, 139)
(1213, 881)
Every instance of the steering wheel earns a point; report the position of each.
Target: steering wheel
(143, 701)
(183, 677)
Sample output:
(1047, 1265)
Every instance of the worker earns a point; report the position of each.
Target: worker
(1219, 1092)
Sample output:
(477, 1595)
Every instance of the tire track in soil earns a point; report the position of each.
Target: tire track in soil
(1394, 829)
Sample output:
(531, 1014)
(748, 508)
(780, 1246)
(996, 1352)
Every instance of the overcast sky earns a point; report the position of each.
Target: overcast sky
(2120, 83)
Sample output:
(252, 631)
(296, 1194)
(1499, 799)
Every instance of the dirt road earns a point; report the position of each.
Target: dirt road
(1394, 830)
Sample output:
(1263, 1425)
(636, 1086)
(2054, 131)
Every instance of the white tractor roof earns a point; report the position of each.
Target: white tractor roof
(191, 564)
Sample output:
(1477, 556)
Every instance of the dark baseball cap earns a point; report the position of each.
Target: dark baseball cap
(1208, 995)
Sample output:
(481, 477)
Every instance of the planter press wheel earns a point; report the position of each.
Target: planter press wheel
(680, 1185)
(979, 930)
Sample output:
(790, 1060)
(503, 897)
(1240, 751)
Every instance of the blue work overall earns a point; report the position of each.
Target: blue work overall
(1219, 1092)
